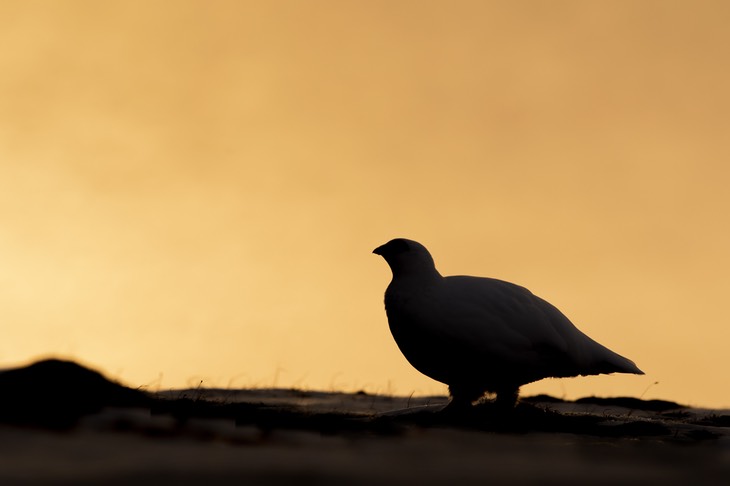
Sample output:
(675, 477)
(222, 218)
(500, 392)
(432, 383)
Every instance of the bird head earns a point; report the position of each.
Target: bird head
(407, 257)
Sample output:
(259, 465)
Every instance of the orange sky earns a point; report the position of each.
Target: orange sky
(191, 190)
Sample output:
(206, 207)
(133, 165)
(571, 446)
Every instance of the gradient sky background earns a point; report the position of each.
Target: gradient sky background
(191, 190)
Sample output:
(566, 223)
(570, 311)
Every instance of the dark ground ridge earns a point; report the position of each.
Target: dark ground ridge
(56, 394)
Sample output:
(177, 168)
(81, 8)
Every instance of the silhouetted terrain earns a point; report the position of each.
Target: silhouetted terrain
(277, 436)
(57, 393)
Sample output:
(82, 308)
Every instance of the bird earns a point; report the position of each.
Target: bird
(481, 335)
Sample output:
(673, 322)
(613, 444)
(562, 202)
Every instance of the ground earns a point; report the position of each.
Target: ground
(100, 433)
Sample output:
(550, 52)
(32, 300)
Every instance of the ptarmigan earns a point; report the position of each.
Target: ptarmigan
(482, 335)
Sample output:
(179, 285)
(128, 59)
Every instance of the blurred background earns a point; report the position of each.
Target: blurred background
(191, 190)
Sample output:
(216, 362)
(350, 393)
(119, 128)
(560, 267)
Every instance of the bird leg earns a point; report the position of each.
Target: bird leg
(507, 398)
(462, 398)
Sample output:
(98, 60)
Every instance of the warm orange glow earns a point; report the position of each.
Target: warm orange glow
(191, 190)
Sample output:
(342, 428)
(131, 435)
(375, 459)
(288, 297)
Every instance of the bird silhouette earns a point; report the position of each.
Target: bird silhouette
(482, 335)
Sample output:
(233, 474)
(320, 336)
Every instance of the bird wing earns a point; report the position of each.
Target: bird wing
(502, 320)
(517, 328)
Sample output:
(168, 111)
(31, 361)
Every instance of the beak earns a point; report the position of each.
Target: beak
(379, 250)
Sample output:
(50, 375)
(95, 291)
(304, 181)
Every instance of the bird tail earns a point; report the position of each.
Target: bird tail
(615, 363)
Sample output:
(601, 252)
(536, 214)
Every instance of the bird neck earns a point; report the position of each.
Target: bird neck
(422, 275)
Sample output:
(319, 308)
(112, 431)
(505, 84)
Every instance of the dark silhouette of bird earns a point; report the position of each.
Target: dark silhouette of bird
(482, 335)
